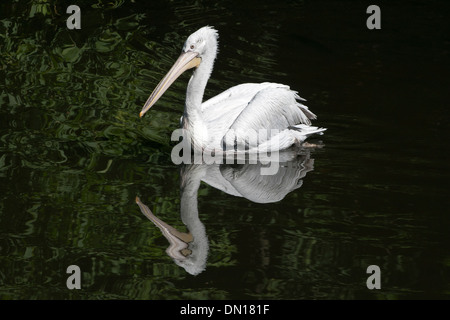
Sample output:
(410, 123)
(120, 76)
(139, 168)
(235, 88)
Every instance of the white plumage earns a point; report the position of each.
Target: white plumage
(228, 121)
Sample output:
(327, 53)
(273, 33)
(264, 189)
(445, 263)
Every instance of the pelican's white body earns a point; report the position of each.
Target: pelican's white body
(225, 122)
(253, 107)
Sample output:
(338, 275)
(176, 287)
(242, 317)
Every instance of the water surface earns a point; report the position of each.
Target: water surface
(74, 153)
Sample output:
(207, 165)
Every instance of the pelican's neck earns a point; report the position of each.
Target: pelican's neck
(193, 116)
(196, 86)
(195, 90)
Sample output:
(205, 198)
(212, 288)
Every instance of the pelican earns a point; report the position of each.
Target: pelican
(226, 121)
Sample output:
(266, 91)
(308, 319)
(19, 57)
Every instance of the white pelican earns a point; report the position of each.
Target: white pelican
(226, 121)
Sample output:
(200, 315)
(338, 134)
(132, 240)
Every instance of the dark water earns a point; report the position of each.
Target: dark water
(74, 153)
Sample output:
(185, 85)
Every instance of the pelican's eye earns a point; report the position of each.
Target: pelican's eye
(192, 46)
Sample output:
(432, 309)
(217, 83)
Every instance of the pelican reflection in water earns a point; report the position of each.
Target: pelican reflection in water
(223, 123)
(190, 249)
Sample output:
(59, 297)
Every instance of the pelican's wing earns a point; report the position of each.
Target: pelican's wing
(238, 95)
(275, 107)
(253, 106)
(277, 110)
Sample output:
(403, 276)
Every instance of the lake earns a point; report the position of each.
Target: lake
(75, 157)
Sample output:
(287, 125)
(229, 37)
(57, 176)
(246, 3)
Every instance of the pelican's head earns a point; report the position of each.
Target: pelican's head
(200, 48)
(203, 42)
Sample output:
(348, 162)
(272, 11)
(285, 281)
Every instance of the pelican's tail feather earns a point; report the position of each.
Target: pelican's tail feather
(307, 130)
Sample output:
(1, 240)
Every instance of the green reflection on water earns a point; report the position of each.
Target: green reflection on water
(74, 154)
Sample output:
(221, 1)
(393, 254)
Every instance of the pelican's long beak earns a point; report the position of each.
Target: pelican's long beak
(187, 60)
